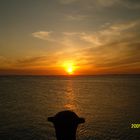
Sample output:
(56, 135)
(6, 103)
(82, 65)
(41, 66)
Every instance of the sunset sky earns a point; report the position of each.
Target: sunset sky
(49, 36)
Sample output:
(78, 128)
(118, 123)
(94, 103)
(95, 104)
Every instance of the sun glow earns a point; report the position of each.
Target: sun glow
(69, 68)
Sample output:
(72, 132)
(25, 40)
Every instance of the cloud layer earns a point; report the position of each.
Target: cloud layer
(113, 47)
(98, 36)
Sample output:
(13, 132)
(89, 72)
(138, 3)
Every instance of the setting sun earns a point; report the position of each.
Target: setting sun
(69, 68)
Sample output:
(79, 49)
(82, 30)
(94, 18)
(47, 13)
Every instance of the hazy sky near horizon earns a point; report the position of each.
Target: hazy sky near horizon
(97, 36)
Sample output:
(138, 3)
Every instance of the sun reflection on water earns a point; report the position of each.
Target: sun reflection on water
(70, 97)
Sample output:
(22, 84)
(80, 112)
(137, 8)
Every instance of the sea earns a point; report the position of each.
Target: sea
(110, 105)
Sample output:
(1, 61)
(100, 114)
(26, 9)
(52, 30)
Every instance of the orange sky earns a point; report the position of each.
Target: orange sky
(47, 37)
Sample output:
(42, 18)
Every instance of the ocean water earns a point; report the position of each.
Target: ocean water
(109, 104)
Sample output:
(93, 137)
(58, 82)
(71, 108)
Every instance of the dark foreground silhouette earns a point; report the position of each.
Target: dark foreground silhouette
(66, 123)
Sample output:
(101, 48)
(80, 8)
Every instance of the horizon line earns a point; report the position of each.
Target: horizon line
(68, 75)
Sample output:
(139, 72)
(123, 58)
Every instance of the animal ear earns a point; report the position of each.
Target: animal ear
(81, 120)
(51, 119)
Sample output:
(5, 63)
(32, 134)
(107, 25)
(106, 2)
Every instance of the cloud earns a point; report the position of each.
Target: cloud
(36, 62)
(76, 17)
(112, 46)
(115, 46)
(92, 38)
(26, 62)
(5, 62)
(130, 4)
(124, 26)
(107, 34)
(120, 47)
(116, 32)
(50, 36)
(44, 35)
(31, 60)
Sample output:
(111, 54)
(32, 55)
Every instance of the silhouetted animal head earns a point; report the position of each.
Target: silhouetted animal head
(65, 124)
